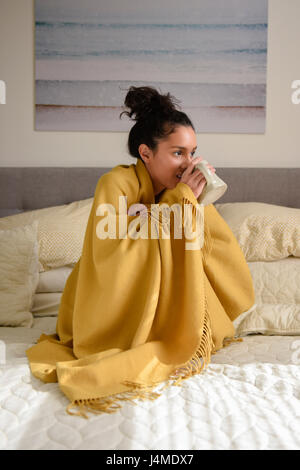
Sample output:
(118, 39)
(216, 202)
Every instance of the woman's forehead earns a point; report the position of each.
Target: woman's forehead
(183, 137)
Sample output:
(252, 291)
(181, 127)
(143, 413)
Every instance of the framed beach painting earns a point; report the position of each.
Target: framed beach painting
(210, 54)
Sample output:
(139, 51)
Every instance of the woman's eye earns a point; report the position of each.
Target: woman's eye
(178, 151)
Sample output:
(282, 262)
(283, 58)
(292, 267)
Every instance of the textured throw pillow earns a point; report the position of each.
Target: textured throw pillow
(61, 240)
(19, 274)
(61, 231)
(277, 297)
(265, 232)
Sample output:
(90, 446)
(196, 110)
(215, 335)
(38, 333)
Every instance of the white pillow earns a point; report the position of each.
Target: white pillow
(265, 232)
(46, 304)
(19, 274)
(277, 297)
(61, 231)
(54, 280)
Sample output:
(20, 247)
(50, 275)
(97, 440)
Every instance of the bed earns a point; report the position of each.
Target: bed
(248, 397)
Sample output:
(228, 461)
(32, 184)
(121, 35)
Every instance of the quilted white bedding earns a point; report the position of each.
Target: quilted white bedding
(247, 398)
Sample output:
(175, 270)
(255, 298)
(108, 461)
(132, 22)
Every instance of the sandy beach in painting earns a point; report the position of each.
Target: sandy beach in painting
(105, 118)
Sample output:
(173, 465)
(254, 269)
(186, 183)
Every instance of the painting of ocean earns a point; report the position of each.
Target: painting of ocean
(212, 59)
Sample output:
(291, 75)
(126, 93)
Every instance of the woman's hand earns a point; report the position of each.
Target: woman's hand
(195, 179)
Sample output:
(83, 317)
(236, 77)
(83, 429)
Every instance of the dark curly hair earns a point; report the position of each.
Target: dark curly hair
(156, 117)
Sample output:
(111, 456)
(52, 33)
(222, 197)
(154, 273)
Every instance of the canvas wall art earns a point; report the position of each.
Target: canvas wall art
(210, 54)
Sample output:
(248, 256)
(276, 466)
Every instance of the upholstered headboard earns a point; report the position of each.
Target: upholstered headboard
(29, 188)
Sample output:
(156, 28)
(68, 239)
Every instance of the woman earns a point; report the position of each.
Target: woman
(141, 308)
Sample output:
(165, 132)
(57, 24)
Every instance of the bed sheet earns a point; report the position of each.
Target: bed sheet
(247, 398)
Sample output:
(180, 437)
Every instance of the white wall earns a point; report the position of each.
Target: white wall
(21, 145)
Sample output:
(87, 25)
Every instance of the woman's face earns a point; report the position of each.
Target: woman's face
(171, 158)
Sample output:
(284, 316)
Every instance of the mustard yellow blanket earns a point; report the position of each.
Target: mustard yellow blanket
(138, 311)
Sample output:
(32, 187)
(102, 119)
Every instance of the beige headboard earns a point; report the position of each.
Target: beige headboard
(29, 188)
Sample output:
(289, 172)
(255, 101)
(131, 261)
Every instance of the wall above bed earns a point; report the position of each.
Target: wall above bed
(21, 145)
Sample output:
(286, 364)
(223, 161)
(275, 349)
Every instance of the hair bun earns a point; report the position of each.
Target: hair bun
(145, 101)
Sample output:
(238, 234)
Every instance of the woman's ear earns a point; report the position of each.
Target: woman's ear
(144, 152)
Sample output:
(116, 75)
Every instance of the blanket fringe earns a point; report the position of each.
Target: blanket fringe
(195, 217)
(228, 341)
(160, 221)
(143, 392)
(194, 365)
(110, 404)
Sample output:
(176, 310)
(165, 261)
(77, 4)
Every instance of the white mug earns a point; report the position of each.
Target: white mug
(214, 187)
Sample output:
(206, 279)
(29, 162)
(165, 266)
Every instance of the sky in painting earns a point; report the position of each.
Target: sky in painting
(154, 11)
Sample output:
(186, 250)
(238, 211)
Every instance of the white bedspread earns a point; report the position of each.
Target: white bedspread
(247, 398)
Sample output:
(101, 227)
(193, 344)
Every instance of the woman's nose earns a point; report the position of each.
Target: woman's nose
(186, 162)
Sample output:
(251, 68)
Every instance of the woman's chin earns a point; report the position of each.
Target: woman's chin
(172, 184)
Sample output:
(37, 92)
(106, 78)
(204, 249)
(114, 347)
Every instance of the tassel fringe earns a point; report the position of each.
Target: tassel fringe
(159, 221)
(198, 218)
(228, 341)
(195, 365)
(207, 246)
